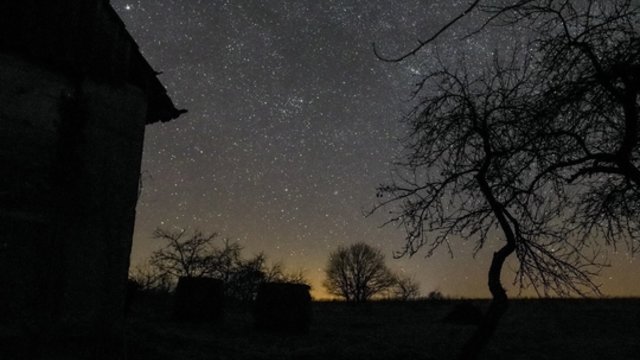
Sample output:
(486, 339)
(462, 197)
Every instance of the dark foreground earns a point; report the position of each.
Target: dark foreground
(532, 329)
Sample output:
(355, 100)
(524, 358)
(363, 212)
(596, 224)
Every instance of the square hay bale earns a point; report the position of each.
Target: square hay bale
(198, 299)
(283, 307)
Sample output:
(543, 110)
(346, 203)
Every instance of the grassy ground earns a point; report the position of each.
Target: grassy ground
(531, 329)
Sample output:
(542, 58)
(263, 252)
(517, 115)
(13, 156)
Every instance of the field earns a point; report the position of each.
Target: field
(532, 329)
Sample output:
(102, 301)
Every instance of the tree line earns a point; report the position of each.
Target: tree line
(355, 273)
(198, 254)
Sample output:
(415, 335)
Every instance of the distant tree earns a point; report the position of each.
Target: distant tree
(405, 288)
(246, 275)
(148, 278)
(435, 295)
(224, 261)
(183, 255)
(357, 273)
(196, 255)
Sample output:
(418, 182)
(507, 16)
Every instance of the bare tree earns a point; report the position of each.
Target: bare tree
(557, 158)
(467, 170)
(247, 275)
(357, 273)
(405, 288)
(196, 255)
(183, 255)
(587, 114)
(147, 278)
(224, 261)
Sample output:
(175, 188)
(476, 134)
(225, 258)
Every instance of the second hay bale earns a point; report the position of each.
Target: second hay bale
(198, 299)
(283, 307)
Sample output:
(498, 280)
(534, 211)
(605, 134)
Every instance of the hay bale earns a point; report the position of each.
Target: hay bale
(465, 313)
(283, 307)
(198, 299)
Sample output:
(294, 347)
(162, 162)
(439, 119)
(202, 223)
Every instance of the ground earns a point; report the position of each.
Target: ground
(532, 329)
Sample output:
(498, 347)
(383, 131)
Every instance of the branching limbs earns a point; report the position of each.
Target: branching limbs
(468, 169)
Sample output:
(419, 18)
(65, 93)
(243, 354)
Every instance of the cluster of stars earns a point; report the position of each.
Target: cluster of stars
(292, 124)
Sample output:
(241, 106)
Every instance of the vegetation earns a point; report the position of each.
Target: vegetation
(197, 255)
(405, 288)
(542, 143)
(358, 273)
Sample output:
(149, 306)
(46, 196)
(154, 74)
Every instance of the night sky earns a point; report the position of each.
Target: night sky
(292, 124)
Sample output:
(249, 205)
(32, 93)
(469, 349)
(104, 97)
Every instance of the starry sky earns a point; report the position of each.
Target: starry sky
(292, 124)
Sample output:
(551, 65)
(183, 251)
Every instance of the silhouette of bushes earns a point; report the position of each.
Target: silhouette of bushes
(283, 307)
(435, 295)
(464, 313)
(198, 299)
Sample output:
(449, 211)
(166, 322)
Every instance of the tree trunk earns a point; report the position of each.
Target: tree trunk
(499, 304)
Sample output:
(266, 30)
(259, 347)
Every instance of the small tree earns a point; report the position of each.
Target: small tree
(357, 273)
(183, 255)
(148, 278)
(405, 288)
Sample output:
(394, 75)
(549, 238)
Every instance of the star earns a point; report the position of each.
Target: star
(293, 122)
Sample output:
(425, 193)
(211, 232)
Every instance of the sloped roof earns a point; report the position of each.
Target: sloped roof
(82, 38)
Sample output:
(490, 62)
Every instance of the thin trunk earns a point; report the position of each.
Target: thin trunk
(630, 139)
(499, 304)
(497, 308)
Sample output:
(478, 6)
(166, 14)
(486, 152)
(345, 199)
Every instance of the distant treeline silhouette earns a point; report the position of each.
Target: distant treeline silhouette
(200, 255)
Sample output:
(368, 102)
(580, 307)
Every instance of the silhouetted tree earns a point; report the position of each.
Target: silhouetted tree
(467, 171)
(435, 295)
(357, 273)
(246, 275)
(196, 255)
(183, 255)
(586, 115)
(405, 288)
(558, 157)
(148, 278)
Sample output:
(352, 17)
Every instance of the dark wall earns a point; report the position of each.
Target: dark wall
(75, 95)
(71, 148)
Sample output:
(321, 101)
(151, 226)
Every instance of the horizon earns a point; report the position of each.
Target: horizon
(292, 124)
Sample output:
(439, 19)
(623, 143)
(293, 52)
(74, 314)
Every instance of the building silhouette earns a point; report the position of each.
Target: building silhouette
(75, 96)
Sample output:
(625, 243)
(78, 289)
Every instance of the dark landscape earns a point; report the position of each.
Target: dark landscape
(182, 178)
(531, 329)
